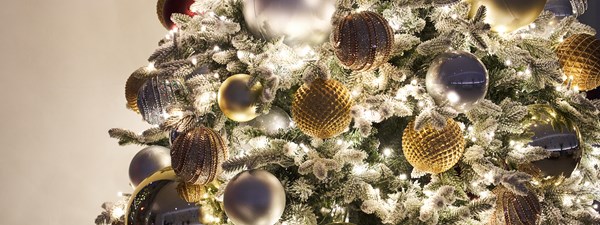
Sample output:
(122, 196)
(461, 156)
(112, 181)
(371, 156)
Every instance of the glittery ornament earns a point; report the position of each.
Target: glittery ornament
(190, 192)
(273, 122)
(513, 209)
(580, 59)
(322, 108)
(300, 22)
(156, 201)
(363, 41)
(156, 96)
(458, 79)
(509, 15)
(147, 161)
(551, 132)
(237, 99)
(431, 150)
(197, 155)
(166, 8)
(254, 197)
(132, 88)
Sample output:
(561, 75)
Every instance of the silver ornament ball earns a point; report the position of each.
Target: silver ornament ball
(560, 8)
(273, 122)
(301, 22)
(458, 79)
(156, 96)
(147, 162)
(254, 197)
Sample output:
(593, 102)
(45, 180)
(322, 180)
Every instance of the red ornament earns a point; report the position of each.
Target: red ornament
(166, 8)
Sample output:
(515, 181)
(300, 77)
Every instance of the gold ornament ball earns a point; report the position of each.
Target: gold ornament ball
(513, 209)
(237, 99)
(579, 56)
(197, 155)
(322, 108)
(190, 192)
(132, 87)
(431, 150)
(363, 41)
(509, 15)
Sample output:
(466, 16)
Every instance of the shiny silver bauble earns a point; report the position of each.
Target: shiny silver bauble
(273, 122)
(458, 79)
(560, 8)
(156, 201)
(301, 22)
(147, 162)
(254, 197)
(155, 97)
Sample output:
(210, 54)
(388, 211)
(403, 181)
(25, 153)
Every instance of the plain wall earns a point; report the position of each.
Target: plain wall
(63, 67)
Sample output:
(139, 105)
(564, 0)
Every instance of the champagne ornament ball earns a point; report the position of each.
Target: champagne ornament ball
(254, 197)
(431, 150)
(363, 41)
(321, 109)
(166, 8)
(513, 209)
(197, 155)
(579, 56)
(300, 22)
(458, 79)
(147, 162)
(506, 16)
(156, 96)
(238, 96)
(156, 201)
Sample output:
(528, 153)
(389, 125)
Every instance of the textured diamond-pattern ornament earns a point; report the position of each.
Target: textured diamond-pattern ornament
(197, 155)
(513, 209)
(132, 87)
(156, 96)
(580, 59)
(363, 41)
(432, 150)
(322, 108)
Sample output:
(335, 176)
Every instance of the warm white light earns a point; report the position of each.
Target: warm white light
(387, 152)
(120, 194)
(421, 104)
(303, 147)
(222, 17)
(194, 61)
(150, 66)
(359, 169)
(508, 62)
(596, 206)
(118, 212)
(576, 88)
(339, 142)
(216, 48)
(453, 97)
(454, 16)
(403, 176)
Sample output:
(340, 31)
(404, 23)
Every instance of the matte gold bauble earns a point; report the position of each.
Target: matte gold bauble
(132, 87)
(156, 201)
(363, 41)
(513, 209)
(322, 108)
(580, 59)
(431, 150)
(197, 155)
(509, 15)
(237, 99)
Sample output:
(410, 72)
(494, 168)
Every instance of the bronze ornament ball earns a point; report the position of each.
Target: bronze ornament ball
(237, 99)
(197, 155)
(431, 150)
(166, 8)
(363, 41)
(506, 16)
(254, 197)
(321, 109)
(579, 56)
(132, 87)
(513, 209)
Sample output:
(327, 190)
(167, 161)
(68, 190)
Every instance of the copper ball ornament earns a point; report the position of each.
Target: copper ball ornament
(458, 79)
(156, 201)
(513, 209)
(579, 56)
(321, 109)
(254, 197)
(132, 87)
(238, 97)
(363, 41)
(552, 132)
(197, 155)
(505, 16)
(166, 8)
(147, 162)
(431, 150)
(156, 96)
(300, 22)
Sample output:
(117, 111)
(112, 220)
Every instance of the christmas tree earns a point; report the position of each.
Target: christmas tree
(365, 112)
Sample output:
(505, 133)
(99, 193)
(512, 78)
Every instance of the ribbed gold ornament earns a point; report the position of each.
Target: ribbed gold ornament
(132, 87)
(322, 108)
(580, 59)
(431, 150)
(363, 41)
(237, 99)
(513, 209)
(509, 15)
(190, 192)
(197, 155)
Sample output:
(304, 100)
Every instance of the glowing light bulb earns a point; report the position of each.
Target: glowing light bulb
(403, 176)
(387, 152)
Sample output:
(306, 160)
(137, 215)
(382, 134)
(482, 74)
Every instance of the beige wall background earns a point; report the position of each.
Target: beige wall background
(63, 66)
